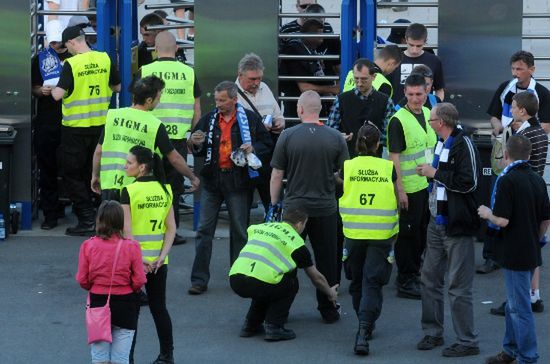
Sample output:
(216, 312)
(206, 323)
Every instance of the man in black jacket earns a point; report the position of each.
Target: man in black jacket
(453, 223)
(218, 136)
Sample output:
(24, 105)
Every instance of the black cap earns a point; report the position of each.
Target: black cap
(71, 33)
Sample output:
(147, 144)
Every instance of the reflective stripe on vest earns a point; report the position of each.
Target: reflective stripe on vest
(149, 207)
(418, 141)
(176, 106)
(88, 103)
(267, 255)
(368, 206)
(124, 128)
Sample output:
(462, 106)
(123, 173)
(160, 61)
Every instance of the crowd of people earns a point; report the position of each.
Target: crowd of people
(391, 177)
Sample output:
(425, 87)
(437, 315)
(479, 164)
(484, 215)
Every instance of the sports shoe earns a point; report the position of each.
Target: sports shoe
(278, 333)
(500, 358)
(196, 290)
(429, 342)
(537, 306)
(459, 350)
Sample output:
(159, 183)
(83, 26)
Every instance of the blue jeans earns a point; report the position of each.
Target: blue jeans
(238, 206)
(520, 340)
(116, 352)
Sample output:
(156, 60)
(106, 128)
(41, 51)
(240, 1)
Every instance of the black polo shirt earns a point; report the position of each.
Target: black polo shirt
(522, 199)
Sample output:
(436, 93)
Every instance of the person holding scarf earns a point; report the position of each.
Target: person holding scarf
(45, 72)
(227, 137)
(518, 218)
(454, 175)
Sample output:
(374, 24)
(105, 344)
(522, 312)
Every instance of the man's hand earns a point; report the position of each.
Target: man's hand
(46, 90)
(484, 212)
(347, 137)
(333, 296)
(425, 170)
(147, 267)
(96, 185)
(195, 183)
(197, 138)
(247, 148)
(277, 127)
(156, 264)
(403, 200)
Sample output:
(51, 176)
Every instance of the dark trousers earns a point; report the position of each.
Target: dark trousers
(174, 178)
(489, 241)
(411, 240)
(322, 236)
(370, 270)
(270, 302)
(156, 295)
(48, 138)
(238, 206)
(77, 150)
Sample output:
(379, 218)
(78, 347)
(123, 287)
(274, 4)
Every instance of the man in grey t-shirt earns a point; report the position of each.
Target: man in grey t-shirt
(310, 153)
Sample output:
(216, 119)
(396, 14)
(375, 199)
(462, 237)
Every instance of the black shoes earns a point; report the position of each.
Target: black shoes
(167, 358)
(410, 289)
(537, 307)
(330, 316)
(487, 267)
(48, 224)
(501, 358)
(83, 228)
(361, 339)
(429, 342)
(459, 350)
(251, 329)
(197, 290)
(179, 240)
(278, 333)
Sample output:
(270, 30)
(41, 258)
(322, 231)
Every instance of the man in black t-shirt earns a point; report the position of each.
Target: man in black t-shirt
(519, 219)
(310, 153)
(416, 36)
(522, 64)
(307, 46)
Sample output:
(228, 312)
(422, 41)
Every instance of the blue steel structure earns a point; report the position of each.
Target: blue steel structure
(367, 23)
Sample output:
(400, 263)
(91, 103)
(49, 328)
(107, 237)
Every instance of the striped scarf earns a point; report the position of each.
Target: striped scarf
(442, 150)
(506, 117)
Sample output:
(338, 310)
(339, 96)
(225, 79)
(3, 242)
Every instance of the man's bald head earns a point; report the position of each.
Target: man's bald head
(309, 103)
(165, 44)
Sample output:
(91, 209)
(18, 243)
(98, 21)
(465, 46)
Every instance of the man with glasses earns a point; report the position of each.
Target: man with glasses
(416, 36)
(454, 175)
(363, 102)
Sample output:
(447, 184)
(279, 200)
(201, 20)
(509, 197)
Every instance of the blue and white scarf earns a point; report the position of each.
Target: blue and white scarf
(495, 188)
(442, 150)
(244, 128)
(506, 117)
(50, 66)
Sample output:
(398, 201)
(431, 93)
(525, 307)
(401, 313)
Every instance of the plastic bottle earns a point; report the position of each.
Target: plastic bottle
(2, 227)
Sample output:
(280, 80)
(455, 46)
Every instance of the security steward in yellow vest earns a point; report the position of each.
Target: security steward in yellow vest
(179, 106)
(85, 87)
(410, 140)
(386, 61)
(370, 222)
(149, 218)
(126, 127)
(265, 271)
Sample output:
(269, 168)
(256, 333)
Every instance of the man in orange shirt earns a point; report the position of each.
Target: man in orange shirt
(217, 136)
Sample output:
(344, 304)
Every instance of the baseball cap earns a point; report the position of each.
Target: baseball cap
(81, 21)
(71, 33)
(53, 31)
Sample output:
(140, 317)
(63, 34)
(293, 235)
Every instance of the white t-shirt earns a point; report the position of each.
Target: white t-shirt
(67, 5)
